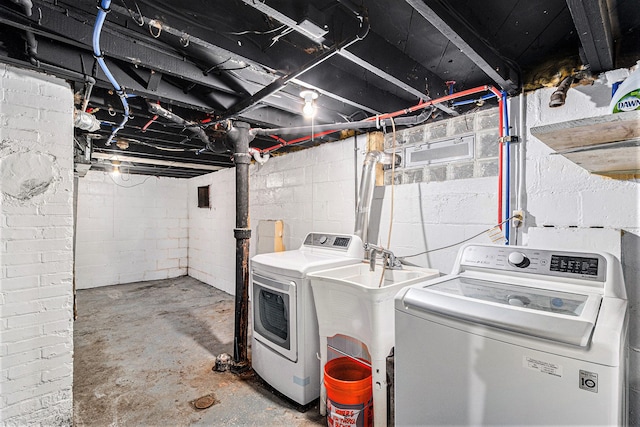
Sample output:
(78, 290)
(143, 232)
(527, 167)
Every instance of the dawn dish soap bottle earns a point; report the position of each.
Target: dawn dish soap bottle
(627, 96)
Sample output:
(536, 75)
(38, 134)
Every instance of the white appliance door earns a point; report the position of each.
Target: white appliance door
(559, 316)
(446, 375)
(274, 315)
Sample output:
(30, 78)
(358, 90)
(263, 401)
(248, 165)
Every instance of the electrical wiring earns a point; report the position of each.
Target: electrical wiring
(458, 243)
(160, 147)
(131, 186)
(277, 38)
(241, 33)
(140, 22)
(393, 179)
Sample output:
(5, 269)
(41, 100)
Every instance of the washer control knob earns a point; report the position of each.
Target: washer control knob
(323, 240)
(518, 259)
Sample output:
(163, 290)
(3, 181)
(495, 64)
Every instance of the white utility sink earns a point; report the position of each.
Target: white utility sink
(361, 275)
(351, 301)
(350, 298)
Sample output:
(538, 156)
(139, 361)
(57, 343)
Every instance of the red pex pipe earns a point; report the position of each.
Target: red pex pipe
(284, 143)
(501, 106)
(421, 105)
(153, 119)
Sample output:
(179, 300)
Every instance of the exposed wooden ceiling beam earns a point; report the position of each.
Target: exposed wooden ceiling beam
(591, 18)
(438, 14)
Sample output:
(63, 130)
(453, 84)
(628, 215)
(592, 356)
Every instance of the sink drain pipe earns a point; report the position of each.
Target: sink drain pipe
(238, 134)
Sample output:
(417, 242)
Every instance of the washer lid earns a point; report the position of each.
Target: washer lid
(558, 316)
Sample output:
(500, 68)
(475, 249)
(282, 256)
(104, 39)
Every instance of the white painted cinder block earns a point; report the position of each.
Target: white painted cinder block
(126, 234)
(36, 327)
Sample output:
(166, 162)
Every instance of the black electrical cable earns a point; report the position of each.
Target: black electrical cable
(458, 243)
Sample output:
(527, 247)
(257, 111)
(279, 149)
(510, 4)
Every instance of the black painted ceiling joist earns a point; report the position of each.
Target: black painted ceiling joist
(484, 56)
(376, 56)
(593, 24)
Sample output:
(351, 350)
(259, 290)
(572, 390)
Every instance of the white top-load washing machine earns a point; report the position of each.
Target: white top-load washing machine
(514, 336)
(285, 337)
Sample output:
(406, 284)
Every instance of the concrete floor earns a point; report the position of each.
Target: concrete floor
(144, 353)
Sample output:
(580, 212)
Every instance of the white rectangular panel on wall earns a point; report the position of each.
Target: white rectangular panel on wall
(270, 235)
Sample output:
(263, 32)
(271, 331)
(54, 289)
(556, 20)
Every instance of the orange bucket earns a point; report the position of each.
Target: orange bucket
(349, 393)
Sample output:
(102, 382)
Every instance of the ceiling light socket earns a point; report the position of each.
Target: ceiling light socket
(308, 95)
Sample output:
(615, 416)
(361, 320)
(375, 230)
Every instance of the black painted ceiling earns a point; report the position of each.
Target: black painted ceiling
(209, 62)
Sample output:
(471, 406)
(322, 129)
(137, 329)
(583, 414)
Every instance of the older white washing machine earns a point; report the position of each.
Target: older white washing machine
(285, 340)
(514, 336)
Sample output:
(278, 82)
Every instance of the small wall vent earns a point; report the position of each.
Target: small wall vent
(448, 150)
(203, 197)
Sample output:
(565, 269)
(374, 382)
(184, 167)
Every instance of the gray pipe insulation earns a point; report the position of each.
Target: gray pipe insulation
(214, 146)
(363, 124)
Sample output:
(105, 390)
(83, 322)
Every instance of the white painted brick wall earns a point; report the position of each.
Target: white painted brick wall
(130, 228)
(36, 232)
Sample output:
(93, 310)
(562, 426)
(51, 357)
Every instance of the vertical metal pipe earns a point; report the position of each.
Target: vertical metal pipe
(239, 135)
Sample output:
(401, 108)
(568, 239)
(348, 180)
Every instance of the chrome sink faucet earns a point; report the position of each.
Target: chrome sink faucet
(389, 259)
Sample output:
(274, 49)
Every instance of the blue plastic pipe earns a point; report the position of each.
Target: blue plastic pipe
(507, 147)
(97, 29)
(472, 101)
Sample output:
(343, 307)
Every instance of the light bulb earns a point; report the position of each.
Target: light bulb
(115, 171)
(309, 109)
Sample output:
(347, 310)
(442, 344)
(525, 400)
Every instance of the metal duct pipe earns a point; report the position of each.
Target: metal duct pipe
(239, 135)
(367, 184)
(558, 97)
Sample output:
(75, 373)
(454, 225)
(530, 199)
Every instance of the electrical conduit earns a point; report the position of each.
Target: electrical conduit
(103, 9)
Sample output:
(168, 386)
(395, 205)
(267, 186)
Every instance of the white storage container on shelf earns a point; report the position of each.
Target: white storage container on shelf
(627, 96)
(352, 301)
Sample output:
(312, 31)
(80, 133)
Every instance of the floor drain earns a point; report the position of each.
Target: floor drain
(204, 402)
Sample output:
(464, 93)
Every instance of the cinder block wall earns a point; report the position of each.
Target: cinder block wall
(212, 256)
(312, 190)
(130, 228)
(36, 249)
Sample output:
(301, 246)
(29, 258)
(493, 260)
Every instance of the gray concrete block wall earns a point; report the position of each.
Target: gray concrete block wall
(36, 249)
(483, 125)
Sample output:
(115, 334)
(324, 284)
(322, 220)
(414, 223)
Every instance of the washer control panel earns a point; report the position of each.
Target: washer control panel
(590, 266)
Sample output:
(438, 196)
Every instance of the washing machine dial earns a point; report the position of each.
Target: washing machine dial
(323, 240)
(518, 259)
